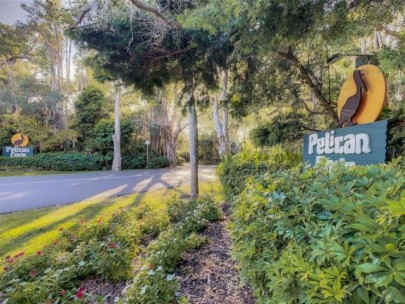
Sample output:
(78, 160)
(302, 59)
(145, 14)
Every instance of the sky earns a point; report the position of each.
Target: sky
(10, 11)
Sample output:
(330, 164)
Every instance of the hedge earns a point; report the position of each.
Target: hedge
(76, 162)
(234, 171)
(55, 161)
(323, 235)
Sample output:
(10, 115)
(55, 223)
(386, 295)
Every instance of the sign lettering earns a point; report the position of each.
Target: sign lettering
(361, 145)
(18, 151)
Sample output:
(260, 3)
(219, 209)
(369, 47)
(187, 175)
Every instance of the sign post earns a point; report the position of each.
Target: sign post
(147, 143)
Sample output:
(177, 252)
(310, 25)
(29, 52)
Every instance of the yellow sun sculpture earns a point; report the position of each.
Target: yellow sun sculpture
(19, 140)
(373, 99)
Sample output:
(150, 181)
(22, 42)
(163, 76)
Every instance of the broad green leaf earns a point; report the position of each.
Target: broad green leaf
(388, 280)
(400, 266)
(359, 227)
(397, 207)
(363, 294)
(399, 279)
(398, 295)
(370, 268)
(366, 220)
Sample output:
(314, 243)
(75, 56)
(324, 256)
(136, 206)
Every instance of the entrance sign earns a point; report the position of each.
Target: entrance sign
(18, 151)
(369, 84)
(356, 145)
(19, 140)
(359, 141)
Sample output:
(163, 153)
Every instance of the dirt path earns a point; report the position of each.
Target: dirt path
(208, 275)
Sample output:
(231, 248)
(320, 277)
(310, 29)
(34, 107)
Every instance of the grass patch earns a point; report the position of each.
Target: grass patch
(31, 230)
(6, 173)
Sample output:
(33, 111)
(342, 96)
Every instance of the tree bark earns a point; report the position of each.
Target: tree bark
(89, 7)
(116, 165)
(219, 129)
(221, 125)
(193, 144)
(326, 104)
(148, 8)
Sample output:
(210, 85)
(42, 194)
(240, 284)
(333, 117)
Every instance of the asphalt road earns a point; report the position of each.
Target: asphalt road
(28, 192)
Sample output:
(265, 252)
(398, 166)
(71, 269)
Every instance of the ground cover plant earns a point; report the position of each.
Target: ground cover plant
(323, 235)
(127, 244)
(55, 272)
(155, 282)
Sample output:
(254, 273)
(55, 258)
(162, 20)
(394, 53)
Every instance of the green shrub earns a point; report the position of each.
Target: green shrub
(202, 208)
(131, 162)
(169, 248)
(158, 162)
(55, 161)
(281, 129)
(157, 285)
(187, 217)
(104, 247)
(234, 171)
(180, 160)
(107, 248)
(78, 162)
(40, 277)
(323, 235)
(139, 162)
(134, 157)
(108, 259)
(153, 286)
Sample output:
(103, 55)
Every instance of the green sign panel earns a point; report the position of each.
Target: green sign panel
(18, 151)
(356, 145)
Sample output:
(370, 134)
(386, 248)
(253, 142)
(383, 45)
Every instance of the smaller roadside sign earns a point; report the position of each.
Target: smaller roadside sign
(18, 151)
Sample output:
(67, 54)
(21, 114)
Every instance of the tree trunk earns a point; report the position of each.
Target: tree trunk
(67, 97)
(221, 126)
(156, 128)
(171, 151)
(116, 165)
(326, 104)
(193, 144)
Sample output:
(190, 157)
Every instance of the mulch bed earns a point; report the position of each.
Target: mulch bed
(208, 275)
(99, 291)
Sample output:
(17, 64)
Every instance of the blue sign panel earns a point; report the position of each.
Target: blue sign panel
(18, 151)
(357, 145)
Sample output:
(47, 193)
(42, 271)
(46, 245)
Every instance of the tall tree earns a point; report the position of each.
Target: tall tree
(16, 43)
(116, 165)
(90, 107)
(221, 121)
(147, 48)
(167, 121)
(47, 21)
(298, 36)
